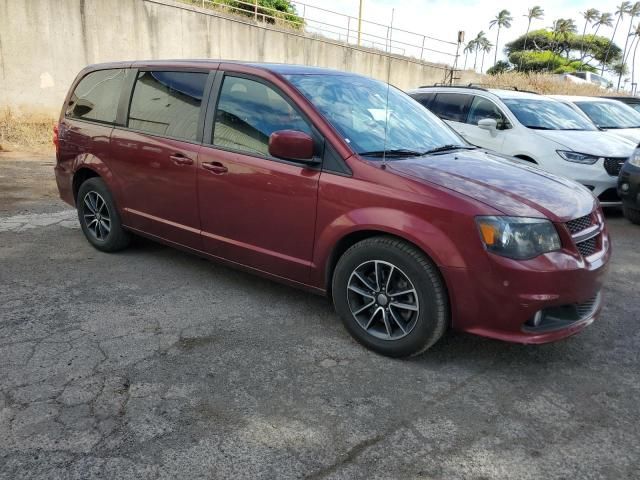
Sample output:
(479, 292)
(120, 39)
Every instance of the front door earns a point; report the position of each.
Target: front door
(482, 108)
(155, 156)
(255, 209)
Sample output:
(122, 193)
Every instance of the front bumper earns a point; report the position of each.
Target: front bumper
(501, 301)
(629, 186)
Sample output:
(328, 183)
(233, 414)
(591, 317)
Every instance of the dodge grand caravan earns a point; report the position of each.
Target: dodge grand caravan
(335, 183)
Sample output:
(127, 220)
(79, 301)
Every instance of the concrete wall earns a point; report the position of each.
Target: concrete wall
(44, 43)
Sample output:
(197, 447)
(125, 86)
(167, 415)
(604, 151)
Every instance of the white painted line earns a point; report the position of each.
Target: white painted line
(20, 223)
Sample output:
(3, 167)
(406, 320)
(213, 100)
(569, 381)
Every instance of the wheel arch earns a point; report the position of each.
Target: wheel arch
(80, 176)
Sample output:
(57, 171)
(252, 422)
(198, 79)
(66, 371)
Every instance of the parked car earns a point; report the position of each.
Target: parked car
(587, 77)
(535, 129)
(336, 183)
(609, 115)
(629, 187)
(633, 102)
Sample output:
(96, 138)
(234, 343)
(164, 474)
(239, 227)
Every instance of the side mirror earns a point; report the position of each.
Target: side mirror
(489, 124)
(291, 145)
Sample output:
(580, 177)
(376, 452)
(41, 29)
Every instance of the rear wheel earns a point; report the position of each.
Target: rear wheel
(632, 215)
(99, 217)
(390, 297)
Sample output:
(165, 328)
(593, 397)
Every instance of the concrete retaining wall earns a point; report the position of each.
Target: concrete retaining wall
(44, 43)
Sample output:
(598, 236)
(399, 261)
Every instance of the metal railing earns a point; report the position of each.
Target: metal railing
(309, 19)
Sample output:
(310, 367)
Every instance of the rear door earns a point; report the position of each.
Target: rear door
(155, 153)
(256, 210)
(452, 108)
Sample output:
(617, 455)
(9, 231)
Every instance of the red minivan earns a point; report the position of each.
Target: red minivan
(336, 183)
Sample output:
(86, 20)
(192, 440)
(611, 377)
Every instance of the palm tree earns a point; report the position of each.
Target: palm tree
(633, 12)
(623, 8)
(503, 19)
(589, 16)
(485, 46)
(477, 45)
(534, 13)
(471, 45)
(636, 38)
(605, 19)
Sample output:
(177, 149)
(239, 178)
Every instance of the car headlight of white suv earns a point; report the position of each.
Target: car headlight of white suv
(576, 157)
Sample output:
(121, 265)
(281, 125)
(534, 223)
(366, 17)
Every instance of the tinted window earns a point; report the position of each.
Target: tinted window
(546, 114)
(424, 98)
(581, 75)
(167, 103)
(249, 112)
(96, 96)
(451, 106)
(371, 116)
(611, 114)
(482, 108)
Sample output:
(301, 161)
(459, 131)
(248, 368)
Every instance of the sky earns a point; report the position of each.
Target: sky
(443, 18)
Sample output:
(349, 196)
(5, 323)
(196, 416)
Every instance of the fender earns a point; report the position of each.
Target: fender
(97, 165)
(423, 234)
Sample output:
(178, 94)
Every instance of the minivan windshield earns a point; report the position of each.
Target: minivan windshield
(357, 108)
(546, 114)
(610, 114)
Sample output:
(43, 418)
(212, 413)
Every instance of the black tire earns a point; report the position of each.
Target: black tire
(116, 238)
(432, 317)
(632, 215)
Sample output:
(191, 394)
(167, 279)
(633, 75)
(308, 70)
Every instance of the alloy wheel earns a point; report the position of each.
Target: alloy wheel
(383, 300)
(96, 215)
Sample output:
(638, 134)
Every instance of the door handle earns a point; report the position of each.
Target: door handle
(215, 167)
(180, 159)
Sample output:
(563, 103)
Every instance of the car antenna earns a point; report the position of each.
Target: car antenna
(386, 107)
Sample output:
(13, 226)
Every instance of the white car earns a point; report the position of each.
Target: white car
(536, 129)
(607, 114)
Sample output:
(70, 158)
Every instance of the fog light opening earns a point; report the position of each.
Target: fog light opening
(536, 320)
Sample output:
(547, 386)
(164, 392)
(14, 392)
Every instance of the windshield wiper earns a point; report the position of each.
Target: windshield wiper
(395, 152)
(448, 148)
(539, 127)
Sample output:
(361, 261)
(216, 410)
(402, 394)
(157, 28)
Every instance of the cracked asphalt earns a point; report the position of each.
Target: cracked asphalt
(153, 363)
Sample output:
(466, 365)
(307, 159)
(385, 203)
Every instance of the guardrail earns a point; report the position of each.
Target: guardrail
(343, 28)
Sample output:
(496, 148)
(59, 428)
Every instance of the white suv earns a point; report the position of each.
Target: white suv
(536, 129)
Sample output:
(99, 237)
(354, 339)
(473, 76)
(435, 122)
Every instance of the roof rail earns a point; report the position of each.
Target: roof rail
(480, 86)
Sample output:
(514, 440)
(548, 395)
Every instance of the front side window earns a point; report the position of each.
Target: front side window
(372, 117)
(611, 114)
(97, 95)
(482, 108)
(249, 112)
(451, 106)
(546, 114)
(167, 103)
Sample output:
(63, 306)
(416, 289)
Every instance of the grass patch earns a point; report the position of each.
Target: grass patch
(25, 131)
(542, 83)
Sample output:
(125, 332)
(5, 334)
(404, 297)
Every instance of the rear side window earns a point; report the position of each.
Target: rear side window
(97, 95)
(167, 103)
(451, 106)
(424, 98)
(249, 112)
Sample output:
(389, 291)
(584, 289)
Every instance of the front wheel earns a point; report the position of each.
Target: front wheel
(390, 297)
(632, 215)
(99, 217)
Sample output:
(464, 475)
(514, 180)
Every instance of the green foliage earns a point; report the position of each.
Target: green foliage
(500, 67)
(280, 9)
(546, 49)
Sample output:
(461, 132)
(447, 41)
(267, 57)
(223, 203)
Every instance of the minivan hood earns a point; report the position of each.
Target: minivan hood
(600, 144)
(501, 183)
(631, 134)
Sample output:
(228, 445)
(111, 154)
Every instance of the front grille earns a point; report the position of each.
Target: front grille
(580, 224)
(614, 165)
(588, 247)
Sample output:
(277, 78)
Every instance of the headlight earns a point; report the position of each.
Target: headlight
(634, 159)
(576, 157)
(518, 237)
